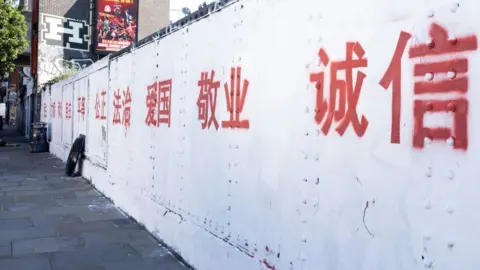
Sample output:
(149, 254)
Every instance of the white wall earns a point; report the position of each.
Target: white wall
(282, 194)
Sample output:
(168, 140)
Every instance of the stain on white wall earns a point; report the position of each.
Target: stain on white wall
(287, 135)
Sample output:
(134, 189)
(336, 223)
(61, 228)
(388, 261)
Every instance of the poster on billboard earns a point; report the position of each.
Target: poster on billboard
(116, 24)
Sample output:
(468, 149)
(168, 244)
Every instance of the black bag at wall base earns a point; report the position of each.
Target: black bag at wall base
(75, 155)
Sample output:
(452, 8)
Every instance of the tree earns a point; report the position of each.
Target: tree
(13, 34)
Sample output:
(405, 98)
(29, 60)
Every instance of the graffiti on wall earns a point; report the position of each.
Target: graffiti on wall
(64, 46)
(65, 32)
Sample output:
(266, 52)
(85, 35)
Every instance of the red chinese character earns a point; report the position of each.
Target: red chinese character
(52, 110)
(97, 107)
(81, 108)
(349, 94)
(164, 101)
(60, 109)
(117, 106)
(127, 103)
(68, 110)
(100, 105)
(235, 97)
(457, 82)
(393, 77)
(151, 102)
(207, 100)
(158, 103)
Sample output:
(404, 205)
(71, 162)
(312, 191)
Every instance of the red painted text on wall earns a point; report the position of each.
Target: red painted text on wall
(68, 110)
(430, 79)
(81, 108)
(348, 93)
(456, 82)
(122, 102)
(207, 100)
(158, 102)
(52, 110)
(60, 114)
(100, 102)
(235, 95)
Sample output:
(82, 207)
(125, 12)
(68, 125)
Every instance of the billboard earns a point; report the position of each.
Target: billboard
(116, 26)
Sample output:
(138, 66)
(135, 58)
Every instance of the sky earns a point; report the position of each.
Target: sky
(177, 5)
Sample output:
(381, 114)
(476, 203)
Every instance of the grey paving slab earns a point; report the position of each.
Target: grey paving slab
(15, 223)
(92, 256)
(30, 263)
(52, 222)
(29, 233)
(88, 267)
(82, 201)
(19, 207)
(5, 250)
(96, 226)
(58, 195)
(96, 213)
(98, 239)
(167, 263)
(45, 245)
(55, 221)
(149, 249)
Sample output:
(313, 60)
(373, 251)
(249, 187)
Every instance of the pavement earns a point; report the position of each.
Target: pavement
(52, 222)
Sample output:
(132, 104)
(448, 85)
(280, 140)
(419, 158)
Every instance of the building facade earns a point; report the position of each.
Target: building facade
(152, 15)
(61, 38)
(60, 35)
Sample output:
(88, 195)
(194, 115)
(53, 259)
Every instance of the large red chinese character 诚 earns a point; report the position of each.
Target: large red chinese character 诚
(456, 82)
(348, 93)
(207, 100)
(117, 105)
(235, 96)
(127, 103)
(100, 105)
(81, 108)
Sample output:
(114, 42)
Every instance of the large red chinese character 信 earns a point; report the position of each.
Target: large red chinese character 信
(81, 108)
(456, 82)
(127, 103)
(207, 100)
(117, 105)
(393, 76)
(348, 94)
(235, 96)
